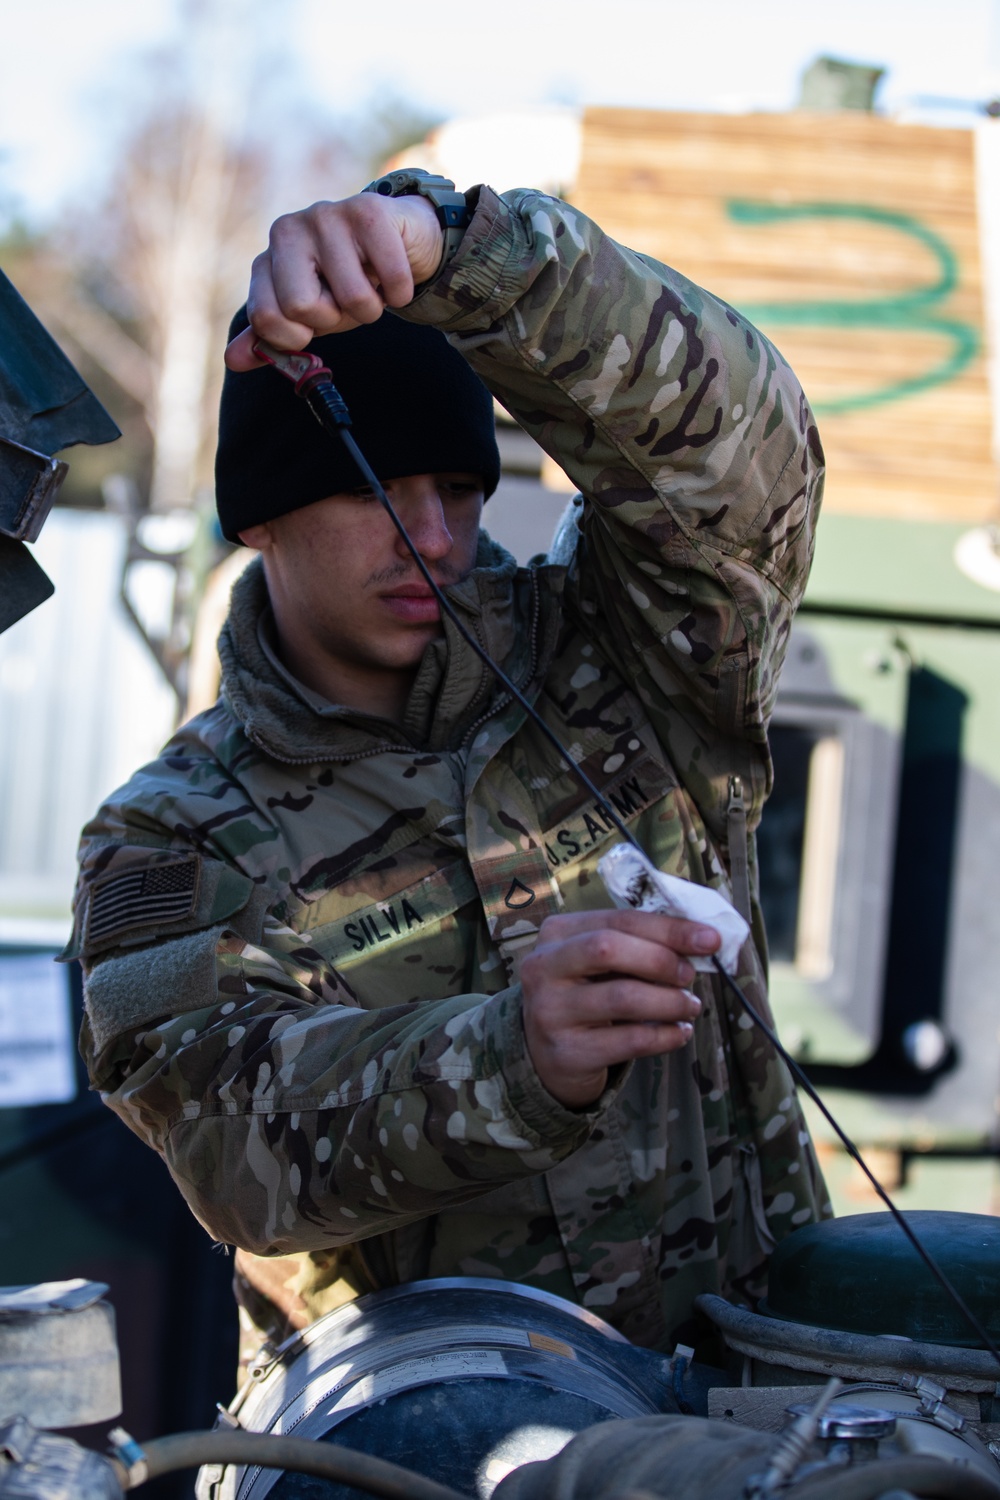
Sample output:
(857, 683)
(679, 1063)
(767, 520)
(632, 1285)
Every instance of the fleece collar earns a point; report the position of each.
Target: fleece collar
(511, 611)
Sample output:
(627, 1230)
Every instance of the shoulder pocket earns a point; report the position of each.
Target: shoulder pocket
(140, 988)
(144, 894)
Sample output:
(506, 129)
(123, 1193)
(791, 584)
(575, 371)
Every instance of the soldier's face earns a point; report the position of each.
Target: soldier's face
(342, 580)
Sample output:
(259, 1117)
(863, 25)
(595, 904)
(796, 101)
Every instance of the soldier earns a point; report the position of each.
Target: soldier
(351, 970)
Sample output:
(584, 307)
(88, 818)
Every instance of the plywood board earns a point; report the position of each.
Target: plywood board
(853, 242)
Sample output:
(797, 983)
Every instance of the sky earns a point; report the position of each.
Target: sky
(72, 75)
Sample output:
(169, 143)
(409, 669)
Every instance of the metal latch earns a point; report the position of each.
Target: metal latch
(29, 484)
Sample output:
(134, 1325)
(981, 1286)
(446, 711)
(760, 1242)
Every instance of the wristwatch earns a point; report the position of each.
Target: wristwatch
(453, 213)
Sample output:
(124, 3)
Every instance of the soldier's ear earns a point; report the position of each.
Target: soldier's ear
(257, 537)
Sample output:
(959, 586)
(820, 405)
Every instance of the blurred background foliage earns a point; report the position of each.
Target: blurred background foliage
(138, 283)
(138, 286)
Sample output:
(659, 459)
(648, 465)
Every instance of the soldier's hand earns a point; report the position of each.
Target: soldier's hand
(602, 987)
(332, 266)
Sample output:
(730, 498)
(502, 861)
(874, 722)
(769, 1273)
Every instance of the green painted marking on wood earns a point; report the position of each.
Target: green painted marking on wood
(912, 311)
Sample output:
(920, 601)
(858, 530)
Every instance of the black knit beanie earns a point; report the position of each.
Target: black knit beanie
(416, 408)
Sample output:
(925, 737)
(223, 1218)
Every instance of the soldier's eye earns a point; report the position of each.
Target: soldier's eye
(459, 489)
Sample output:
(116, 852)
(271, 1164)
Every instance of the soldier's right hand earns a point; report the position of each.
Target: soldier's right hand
(603, 987)
(332, 266)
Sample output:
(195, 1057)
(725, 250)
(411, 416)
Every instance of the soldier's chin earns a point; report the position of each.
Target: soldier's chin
(406, 652)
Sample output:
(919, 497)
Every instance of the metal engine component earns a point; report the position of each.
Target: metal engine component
(849, 1433)
(687, 1458)
(898, 1341)
(461, 1379)
(879, 1284)
(39, 1466)
(58, 1354)
(850, 1297)
(930, 1420)
(877, 1421)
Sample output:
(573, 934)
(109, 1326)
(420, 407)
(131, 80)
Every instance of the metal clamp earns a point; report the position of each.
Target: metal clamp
(933, 1403)
(130, 1455)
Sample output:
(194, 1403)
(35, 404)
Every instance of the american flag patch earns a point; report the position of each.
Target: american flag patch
(142, 897)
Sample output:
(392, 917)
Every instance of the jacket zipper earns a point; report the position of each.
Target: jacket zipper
(736, 834)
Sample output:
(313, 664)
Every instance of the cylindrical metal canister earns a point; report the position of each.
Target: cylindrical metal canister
(462, 1379)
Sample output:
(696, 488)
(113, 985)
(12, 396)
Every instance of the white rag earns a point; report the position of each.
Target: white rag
(634, 881)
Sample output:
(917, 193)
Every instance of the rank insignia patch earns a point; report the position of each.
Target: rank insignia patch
(143, 897)
(519, 895)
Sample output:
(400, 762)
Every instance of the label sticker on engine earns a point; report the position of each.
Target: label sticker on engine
(414, 1372)
(550, 1345)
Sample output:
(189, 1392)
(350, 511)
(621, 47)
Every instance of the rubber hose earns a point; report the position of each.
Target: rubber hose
(189, 1450)
(930, 1478)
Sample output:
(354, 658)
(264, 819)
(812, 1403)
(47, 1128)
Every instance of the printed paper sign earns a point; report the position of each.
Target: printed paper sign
(36, 1033)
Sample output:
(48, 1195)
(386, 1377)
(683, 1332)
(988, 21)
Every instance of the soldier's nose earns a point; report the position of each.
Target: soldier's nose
(421, 511)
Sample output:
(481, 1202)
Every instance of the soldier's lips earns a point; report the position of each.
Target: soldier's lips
(414, 605)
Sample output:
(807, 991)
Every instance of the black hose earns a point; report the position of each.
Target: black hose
(929, 1478)
(839, 1353)
(189, 1450)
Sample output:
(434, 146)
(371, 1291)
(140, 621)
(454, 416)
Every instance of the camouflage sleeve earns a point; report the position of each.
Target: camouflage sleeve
(692, 443)
(293, 1120)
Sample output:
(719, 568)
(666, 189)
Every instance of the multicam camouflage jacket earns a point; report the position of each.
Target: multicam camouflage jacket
(302, 927)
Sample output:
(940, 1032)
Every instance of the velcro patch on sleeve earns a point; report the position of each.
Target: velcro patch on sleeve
(146, 896)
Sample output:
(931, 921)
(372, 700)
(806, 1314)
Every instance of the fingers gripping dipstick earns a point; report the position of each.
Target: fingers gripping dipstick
(638, 885)
(312, 380)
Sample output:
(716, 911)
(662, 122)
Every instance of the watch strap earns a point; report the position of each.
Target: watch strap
(453, 212)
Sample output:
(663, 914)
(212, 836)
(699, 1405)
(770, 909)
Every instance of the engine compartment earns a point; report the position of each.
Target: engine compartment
(471, 1388)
